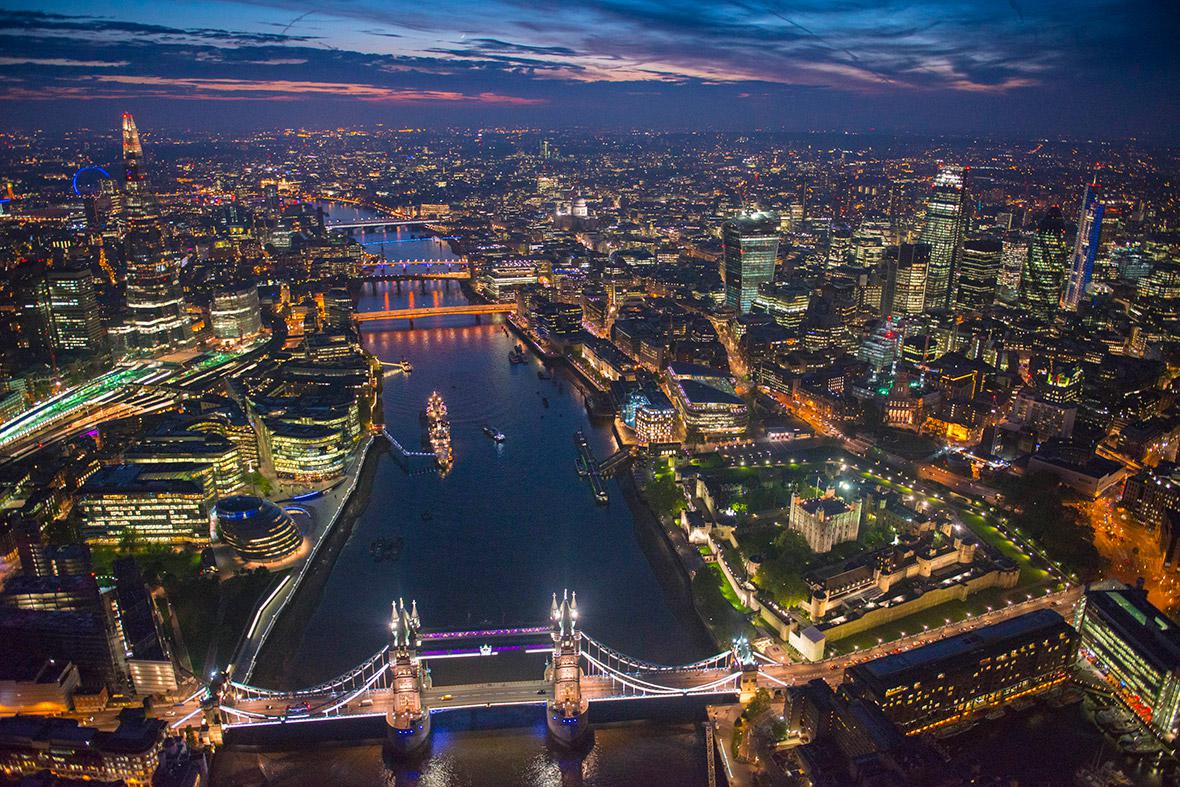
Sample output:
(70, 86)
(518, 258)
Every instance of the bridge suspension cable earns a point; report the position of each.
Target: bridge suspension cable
(335, 684)
(648, 666)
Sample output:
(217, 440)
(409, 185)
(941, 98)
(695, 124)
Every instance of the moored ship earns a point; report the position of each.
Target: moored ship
(438, 431)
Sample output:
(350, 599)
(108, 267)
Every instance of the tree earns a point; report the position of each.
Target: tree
(262, 485)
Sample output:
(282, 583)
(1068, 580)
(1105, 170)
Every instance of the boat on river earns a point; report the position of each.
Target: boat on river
(516, 356)
(494, 434)
(438, 431)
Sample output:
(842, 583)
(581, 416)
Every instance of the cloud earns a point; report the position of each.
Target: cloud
(195, 89)
(691, 61)
(61, 62)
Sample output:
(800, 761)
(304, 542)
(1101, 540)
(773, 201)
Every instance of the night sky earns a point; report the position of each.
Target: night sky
(1077, 68)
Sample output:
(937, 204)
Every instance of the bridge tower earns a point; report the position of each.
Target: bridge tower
(408, 717)
(566, 713)
(743, 656)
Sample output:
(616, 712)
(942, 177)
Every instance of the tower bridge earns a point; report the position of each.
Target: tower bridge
(396, 682)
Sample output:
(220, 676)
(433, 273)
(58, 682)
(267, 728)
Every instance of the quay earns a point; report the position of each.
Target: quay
(588, 466)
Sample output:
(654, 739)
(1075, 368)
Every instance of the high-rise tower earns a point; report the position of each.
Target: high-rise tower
(155, 301)
(946, 223)
(1085, 249)
(1040, 286)
(750, 245)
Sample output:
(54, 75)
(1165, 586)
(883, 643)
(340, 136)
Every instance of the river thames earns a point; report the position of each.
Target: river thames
(487, 545)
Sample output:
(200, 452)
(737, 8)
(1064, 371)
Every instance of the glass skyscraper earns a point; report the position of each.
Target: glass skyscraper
(155, 302)
(1040, 286)
(750, 245)
(905, 288)
(946, 221)
(979, 273)
(1085, 249)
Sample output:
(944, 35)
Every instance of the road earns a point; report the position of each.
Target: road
(600, 688)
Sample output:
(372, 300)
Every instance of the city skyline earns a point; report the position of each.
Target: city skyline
(960, 67)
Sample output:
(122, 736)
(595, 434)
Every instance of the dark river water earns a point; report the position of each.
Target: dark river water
(488, 544)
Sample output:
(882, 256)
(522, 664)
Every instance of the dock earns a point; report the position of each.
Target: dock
(589, 464)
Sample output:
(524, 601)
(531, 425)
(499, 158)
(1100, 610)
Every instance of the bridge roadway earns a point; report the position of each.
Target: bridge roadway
(375, 222)
(435, 311)
(602, 688)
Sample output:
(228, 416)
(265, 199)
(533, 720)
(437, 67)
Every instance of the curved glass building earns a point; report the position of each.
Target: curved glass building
(257, 529)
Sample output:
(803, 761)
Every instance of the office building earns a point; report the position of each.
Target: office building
(219, 453)
(706, 400)
(235, 314)
(905, 279)
(1151, 493)
(74, 322)
(824, 521)
(37, 684)
(258, 530)
(152, 503)
(64, 748)
(786, 304)
(1136, 649)
(946, 224)
(87, 639)
(1040, 284)
(1085, 249)
(954, 678)
(750, 248)
(979, 274)
(146, 639)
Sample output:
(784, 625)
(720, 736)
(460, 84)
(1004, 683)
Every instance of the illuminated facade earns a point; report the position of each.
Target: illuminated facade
(159, 510)
(1085, 249)
(155, 302)
(946, 222)
(305, 452)
(824, 521)
(905, 289)
(706, 400)
(954, 678)
(257, 529)
(74, 322)
(1040, 284)
(750, 248)
(235, 314)
(31, 744)
(1137, 650)
(979, 274)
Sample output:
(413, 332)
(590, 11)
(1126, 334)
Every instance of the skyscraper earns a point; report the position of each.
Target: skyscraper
(979, 273)
(1085, 249)
(1040, 286)
(155, 301)
(74, 324)
(905, 286)
(750, 245)
(946, 222)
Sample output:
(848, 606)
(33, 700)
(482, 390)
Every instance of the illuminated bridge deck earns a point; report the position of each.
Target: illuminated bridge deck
(435, 311)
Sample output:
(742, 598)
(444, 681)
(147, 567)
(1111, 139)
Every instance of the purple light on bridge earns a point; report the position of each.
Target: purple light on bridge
(484, 634)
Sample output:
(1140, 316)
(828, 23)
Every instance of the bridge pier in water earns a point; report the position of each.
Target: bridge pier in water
(408, 718)
(566, 713)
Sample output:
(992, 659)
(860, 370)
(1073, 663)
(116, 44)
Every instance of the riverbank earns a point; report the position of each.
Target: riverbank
(273, 661)
(669, 563)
